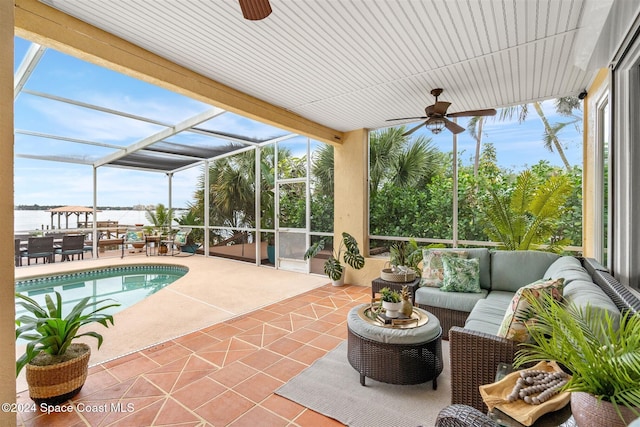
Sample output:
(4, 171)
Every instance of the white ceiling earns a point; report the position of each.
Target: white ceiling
(351, 64)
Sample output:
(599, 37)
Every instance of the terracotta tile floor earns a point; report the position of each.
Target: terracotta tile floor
(222, 375)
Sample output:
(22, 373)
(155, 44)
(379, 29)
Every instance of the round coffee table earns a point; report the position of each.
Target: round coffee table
(410, 353)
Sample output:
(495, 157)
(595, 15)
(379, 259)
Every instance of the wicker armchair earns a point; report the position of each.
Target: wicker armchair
(463, 416)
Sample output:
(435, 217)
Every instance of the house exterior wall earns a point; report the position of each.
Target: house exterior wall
(590, 222)
(7, 272)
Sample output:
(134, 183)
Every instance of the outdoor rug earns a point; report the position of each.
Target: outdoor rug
(332, 387)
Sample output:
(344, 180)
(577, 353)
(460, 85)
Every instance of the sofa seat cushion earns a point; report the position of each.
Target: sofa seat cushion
(583, 292)
(569, 268)
(459, 301)
(487, 315)
(511, 270)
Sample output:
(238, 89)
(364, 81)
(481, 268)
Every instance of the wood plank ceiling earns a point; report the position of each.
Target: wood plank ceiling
(351, 64)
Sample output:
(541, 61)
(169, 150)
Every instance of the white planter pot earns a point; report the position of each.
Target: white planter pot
(392, 309)
(340, 281)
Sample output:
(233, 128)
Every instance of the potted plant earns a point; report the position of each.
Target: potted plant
(391, 302)
(332, 266)
(406, 255)
(56, 368)
(602, 358)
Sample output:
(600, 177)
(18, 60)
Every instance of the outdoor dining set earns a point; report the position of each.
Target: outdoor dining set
(47, 247)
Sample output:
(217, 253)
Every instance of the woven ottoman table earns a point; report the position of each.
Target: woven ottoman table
(410, 353)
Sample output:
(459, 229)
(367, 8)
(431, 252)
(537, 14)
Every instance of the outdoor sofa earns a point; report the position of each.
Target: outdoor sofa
(472, 321)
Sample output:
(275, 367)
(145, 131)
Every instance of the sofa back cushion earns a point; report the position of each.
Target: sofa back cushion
(582, 293)
(569, 268)
(511, 270)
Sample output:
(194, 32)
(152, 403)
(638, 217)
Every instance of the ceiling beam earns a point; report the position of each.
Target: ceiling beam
(49, 27)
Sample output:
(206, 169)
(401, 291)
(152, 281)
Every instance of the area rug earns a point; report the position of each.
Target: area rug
(332, 387)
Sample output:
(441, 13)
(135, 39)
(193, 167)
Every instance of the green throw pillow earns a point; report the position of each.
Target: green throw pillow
(432, 270)
(519, 314)
(461, 275)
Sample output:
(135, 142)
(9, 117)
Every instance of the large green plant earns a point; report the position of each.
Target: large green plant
(160, 216)
(604, 358)
(526, 217)
(332, 266)
(46, 330)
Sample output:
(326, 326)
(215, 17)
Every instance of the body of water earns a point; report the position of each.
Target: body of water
(41, 220)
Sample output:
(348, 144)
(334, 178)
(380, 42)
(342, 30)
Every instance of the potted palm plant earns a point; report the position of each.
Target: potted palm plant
(348, 251)
(56, 368)
(602, 357)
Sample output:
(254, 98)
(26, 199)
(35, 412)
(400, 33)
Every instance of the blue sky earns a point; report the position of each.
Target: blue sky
(54, 183)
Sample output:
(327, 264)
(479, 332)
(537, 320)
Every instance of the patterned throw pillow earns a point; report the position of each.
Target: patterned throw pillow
(461, 275)
(519, 314)
(432, 270)
(181, 238)
(134, 236)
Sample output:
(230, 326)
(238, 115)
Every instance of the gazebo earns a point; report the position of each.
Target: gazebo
(70, 210)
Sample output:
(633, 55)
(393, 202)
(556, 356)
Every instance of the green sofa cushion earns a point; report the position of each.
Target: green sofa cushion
(583, 292)
(486, 316)
(511, 270)
(460, 301)
(569, 268)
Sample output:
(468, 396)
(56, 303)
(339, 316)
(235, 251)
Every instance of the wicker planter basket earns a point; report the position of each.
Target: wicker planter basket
(55, 384)
(588, 411)
(397, 276)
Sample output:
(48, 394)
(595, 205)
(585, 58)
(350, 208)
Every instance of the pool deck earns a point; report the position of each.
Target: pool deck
(214, 290)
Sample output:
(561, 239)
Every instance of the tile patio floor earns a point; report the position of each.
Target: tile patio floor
(223, 375)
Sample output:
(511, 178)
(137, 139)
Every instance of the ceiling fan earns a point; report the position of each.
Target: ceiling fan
(436, 116)
(255, 10)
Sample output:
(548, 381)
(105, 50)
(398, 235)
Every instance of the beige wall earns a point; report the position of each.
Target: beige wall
(7, 289)
(595, 92)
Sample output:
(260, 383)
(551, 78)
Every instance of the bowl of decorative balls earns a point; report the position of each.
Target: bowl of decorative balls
(528, 394)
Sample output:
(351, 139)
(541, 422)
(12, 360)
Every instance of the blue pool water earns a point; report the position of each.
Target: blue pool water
(126, 285)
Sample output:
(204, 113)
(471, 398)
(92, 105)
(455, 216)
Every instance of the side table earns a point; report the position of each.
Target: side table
(378, 284)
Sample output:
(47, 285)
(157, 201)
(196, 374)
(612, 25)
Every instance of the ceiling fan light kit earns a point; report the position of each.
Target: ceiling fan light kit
(436, 116)
(255, 10)
(435, 125)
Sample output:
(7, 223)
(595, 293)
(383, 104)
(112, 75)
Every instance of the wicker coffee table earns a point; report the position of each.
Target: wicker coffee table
(408, 354)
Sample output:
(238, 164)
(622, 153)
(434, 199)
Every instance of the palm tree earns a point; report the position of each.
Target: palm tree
(527, 216)
(399, 159)
(474, 127)
(564, 106)
(160, 217)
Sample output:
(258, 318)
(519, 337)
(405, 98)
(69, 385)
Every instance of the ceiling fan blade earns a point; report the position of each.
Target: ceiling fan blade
(440, 107)
(255, 10)
(412, 130)
(473, 113)
(407, 118)
(453, 127)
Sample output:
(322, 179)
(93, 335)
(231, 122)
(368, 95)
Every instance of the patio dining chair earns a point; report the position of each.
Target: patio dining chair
(40, 247)
(72, 245)
(135, 238)
(19, 252)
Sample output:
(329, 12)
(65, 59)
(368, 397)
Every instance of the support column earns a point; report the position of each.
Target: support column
(351, 205)
(7, 272)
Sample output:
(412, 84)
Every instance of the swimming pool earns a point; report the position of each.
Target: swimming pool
(125, 284)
